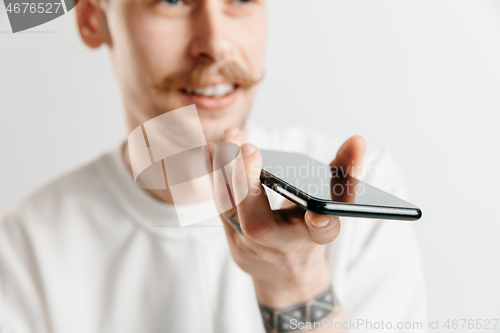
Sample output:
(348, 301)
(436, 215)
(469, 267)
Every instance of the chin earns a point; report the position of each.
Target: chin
(213, 128)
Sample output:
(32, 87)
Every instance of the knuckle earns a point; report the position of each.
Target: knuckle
(255, 229)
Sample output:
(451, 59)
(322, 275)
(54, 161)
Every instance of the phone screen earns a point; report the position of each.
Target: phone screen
(309, 179)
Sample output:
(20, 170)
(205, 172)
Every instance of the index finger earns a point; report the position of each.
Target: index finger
(254, 211)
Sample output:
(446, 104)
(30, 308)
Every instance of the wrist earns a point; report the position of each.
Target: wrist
(289, 289)
(307, 315)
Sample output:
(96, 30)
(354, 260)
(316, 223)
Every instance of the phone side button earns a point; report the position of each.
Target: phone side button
(290, 196)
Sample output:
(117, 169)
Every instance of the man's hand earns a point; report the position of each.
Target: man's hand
(283, 250)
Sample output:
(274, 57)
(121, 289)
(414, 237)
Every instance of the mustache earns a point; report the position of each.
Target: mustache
(231, 71)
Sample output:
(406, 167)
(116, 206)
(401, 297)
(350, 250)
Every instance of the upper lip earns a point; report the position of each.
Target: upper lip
(209, 83)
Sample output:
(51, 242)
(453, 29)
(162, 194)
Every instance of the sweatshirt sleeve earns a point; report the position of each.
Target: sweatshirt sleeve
(22, 302)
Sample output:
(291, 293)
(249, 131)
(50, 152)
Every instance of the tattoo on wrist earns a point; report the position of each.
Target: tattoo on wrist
(233, 221)
(311, 311)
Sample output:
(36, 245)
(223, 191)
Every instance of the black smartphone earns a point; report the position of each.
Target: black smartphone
(324, 190)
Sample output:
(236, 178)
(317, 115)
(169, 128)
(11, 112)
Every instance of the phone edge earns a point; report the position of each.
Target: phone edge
(340, 209)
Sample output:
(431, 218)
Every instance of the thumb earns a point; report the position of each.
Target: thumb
(349, 157)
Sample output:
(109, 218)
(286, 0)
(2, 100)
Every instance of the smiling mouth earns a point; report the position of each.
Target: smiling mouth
(213, 91)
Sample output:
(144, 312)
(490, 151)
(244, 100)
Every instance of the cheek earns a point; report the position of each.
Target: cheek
(156, 45)
(252, 42)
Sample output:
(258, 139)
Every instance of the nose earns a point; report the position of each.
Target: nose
(210, 43)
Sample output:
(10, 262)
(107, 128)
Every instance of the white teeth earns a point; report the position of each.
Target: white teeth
(217, 90)
(222, 89)
(206, 91)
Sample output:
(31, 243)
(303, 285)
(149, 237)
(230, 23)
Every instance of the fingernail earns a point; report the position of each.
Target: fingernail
(247, 150)
(232, 131)
(322, 221)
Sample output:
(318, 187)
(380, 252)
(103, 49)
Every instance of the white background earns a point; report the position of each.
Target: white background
(421, 78)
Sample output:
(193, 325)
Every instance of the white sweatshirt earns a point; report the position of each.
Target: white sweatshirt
(83, 254)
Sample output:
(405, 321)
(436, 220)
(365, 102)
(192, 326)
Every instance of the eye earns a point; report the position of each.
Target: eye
(172, 2)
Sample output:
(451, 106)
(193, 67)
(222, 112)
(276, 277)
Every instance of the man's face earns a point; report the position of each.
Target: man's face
(172, 53)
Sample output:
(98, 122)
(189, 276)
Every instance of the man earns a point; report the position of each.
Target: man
(84, 255)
